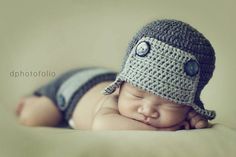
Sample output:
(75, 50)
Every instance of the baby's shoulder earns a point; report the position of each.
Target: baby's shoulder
(108, 101)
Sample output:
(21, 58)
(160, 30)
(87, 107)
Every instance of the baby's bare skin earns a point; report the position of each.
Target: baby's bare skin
(94, 111)
(88, 105)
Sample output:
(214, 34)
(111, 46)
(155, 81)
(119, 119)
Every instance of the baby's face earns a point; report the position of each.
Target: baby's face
(149, 108)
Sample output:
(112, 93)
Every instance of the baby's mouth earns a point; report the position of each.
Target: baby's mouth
(146, 120)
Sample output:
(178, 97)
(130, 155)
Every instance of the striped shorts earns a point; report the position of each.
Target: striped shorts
(67, 89)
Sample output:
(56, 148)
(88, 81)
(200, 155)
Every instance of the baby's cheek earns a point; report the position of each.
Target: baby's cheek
(123, 108)
(172, 117)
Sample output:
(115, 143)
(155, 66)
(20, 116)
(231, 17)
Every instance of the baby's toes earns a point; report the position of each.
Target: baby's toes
(19, 107)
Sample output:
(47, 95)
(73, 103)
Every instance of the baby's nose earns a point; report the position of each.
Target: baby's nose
(148, 111)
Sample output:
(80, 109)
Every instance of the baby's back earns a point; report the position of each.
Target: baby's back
(88, 105)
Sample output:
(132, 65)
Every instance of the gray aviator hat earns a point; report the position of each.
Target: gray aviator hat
(171, 59)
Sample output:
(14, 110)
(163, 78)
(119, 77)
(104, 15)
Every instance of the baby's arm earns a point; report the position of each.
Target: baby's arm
(109, 118)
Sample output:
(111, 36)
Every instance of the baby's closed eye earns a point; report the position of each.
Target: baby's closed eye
(136, 95)
(173, 106)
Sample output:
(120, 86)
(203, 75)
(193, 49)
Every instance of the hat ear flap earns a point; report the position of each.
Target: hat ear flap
(112, 87)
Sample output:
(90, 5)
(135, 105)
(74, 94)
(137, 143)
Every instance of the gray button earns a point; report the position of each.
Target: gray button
(61, 102)
(191, 67)
(142, 49)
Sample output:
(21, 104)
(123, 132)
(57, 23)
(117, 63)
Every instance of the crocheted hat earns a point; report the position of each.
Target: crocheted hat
(171, 59)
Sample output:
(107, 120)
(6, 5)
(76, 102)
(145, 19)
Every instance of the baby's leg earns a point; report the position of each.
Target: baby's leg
(38, 111)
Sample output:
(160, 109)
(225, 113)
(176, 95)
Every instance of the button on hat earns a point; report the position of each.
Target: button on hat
(142, 49)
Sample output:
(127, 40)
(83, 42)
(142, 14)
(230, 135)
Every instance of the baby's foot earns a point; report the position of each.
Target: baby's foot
(37, 111)
(19, 107)
(22, 102)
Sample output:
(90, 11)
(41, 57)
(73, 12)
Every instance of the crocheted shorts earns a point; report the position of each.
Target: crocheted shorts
(67, 89)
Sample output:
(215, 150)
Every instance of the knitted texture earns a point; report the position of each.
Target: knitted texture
(164, 75)
(171, 59)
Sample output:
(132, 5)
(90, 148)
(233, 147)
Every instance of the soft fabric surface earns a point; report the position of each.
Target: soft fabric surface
(20, 141)
(57, 35)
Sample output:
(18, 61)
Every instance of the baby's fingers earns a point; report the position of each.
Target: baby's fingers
(201, 124)
(198, 122)
(191, 115)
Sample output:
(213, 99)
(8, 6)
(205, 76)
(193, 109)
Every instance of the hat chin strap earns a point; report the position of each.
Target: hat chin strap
(208, 114)
(112, 87)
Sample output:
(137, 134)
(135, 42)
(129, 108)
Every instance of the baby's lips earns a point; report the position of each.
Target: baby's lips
(146, 120)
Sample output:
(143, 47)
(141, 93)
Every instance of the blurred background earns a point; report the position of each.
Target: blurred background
(48, 37)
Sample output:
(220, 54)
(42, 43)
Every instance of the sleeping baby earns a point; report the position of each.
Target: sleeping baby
(166, 66)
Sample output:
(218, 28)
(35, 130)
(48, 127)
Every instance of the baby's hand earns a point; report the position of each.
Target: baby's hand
(196, 121)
